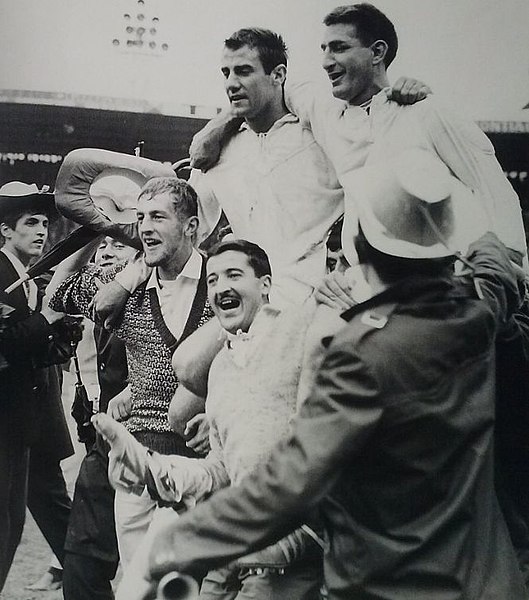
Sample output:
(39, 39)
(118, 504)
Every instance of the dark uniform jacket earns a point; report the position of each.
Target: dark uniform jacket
(30, 394)
(396, 446)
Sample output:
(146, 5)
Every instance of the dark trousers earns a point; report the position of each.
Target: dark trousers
(91, 545)
(14, 458)
(87, 578)
(48, 500)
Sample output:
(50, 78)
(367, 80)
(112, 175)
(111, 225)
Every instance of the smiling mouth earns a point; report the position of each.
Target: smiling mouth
(150, 243)
(335, 77)
(228, 303)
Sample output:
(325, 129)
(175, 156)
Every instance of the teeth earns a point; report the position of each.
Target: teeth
(228, 303)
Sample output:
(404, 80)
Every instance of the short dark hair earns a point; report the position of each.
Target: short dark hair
(270, 46)
(257, 257)
(10, 217)
(394, 268)
(370, 23)
(184, 197)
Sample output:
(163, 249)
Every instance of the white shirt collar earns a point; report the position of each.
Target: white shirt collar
(259, 325)
(191, 270)
(287, 118)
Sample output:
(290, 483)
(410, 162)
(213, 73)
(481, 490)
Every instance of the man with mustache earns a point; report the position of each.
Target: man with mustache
(162, 312)
(252, 396)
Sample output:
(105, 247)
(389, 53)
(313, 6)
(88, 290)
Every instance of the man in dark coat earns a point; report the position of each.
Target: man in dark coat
(395, 443)
(31, 409)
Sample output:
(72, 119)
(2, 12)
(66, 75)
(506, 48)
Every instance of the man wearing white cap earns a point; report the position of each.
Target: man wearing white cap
(395, 442)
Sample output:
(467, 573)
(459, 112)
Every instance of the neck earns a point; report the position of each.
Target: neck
(380, 81)
(376, 284)
(170, 271)
(263, 122)
(23, 258)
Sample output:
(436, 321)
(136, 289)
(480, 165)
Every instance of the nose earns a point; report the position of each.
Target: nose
(145, 225)
(42, 230)
(232, 82)
(327, 60)
(222, 285)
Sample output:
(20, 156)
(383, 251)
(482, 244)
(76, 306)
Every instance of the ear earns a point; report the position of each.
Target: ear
(279, 74)
(380, 49)
(5, 230)
(191, 226)
(266, 284)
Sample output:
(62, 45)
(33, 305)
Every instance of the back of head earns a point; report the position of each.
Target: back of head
(184, 197)
(391, 269)
(269, 45)
(257, 257)
(413, 214)
(370, 23)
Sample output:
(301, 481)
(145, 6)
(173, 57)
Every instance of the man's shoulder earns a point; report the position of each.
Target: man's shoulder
(8, 273)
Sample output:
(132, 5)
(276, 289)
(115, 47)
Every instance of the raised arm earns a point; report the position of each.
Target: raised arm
(470, 155)
(207, 144)
(334, 423)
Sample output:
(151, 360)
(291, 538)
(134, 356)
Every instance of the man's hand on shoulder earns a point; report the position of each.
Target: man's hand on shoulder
(108, 303)
(207, 144)
(408, 91)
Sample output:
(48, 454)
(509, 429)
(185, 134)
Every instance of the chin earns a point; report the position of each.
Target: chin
(341, 93)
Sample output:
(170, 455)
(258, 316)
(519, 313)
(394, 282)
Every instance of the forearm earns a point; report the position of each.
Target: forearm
(209, 141)
(25, 339)
(75, 295)
(178, 478)
(70, 266)
(193, 358)
(470, 155)
(276, 498)
(497, 279)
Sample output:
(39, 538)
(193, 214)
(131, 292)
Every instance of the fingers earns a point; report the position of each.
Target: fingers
(119, 410)
(199, 445)
(106, 426)
(193, 423)
(336, 292)
(408, 91)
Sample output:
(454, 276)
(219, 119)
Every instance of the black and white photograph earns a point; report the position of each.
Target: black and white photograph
(264, 300)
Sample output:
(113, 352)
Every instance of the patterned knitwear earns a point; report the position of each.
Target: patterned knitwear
(149, 345)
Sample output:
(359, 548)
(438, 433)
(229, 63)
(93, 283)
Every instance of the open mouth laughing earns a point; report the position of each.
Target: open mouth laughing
(335, 77)
(228, 303)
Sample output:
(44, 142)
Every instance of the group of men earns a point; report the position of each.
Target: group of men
(377, 479)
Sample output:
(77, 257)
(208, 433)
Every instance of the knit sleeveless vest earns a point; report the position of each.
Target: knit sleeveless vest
(153, 382)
